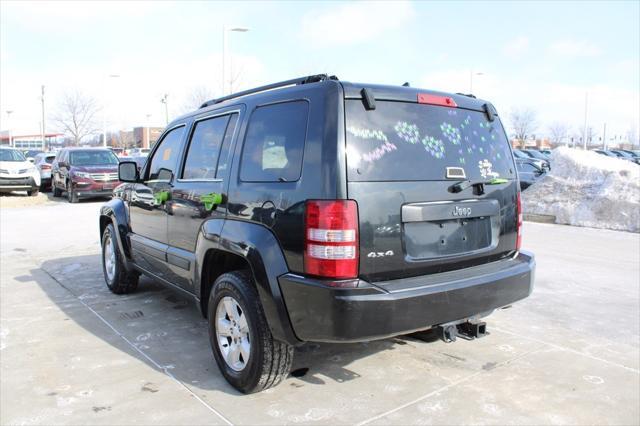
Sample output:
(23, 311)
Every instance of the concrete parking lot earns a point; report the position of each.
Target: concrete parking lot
(73, 353)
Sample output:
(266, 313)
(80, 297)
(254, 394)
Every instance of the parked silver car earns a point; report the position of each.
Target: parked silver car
(43, 162)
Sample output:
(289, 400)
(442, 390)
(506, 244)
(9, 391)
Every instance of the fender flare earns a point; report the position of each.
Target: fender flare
(115, 211)
(259, 247)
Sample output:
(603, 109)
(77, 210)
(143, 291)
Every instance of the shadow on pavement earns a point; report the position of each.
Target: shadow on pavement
(168, 328)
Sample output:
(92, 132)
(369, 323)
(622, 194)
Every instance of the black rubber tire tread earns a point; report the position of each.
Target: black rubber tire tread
(33, 192)
(124, 281)
(270, 360)
(72, 197)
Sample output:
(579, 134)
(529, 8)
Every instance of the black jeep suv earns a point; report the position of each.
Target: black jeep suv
(316, 210)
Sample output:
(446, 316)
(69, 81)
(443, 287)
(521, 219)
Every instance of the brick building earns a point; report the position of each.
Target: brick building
(145, 137)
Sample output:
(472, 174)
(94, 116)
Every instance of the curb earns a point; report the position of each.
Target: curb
(540, 218)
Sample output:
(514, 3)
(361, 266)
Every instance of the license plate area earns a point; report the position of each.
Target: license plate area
(448, 237)
(108, 186)
(435, 230)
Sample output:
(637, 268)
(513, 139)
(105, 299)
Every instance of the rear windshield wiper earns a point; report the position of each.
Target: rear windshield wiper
(478, 185)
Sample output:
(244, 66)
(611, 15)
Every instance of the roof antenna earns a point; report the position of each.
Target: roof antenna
(406, 84)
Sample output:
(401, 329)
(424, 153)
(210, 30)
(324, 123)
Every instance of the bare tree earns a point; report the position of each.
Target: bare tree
(558, 132)
(196, 97)
(236, 77)
(592, 136)
(76, 116)
(524, 121)
(125, 139)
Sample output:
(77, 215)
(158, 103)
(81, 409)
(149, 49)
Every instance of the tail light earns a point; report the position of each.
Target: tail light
(46, 167)
(331, 243)
(425, 98)
(519, 225)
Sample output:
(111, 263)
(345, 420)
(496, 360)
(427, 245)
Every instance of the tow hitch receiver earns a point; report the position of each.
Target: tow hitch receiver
(467, 330)
(472, 330)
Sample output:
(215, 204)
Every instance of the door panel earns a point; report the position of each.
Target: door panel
(148, 203)
(200, 192)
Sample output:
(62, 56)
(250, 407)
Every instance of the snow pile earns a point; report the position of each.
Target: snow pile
(585, 188)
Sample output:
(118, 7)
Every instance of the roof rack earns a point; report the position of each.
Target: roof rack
(293, 82)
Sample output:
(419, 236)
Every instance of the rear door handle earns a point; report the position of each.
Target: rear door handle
(161, 197)
(211, 200)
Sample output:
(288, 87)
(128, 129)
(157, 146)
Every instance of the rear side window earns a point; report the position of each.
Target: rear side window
(402, 141)
(204, 148)
(165, 159)
(274, 144)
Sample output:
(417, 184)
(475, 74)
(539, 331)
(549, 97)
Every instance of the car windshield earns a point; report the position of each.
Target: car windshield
(92, 158)
(402, 141)
(536, 154)
(11, 155)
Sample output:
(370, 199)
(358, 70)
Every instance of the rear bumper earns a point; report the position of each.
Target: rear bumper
(328, 314)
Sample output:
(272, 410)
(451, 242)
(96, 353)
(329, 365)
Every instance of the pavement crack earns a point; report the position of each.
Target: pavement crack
(562, 348)
(141, 352)
(444, 388)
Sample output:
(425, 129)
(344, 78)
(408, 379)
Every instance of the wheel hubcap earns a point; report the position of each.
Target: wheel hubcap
(109, 259)
(232, 333)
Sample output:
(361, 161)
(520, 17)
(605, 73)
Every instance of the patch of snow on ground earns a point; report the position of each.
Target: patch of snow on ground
(585, 188)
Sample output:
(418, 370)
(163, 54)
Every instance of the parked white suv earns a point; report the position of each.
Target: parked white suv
(16, 173)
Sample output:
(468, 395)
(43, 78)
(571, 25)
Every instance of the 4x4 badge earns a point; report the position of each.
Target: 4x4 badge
(380, 253)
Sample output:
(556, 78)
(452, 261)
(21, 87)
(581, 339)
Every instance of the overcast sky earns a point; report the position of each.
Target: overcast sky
(543, 55)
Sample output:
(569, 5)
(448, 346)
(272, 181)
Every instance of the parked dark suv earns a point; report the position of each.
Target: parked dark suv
(316, 210)
(84, 172)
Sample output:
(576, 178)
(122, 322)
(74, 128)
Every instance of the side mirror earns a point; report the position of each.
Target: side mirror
(165, 175)
(128, 172)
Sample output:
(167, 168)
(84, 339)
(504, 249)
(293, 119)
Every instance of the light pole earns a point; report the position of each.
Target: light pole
(43, 130)
(224, 53)
(9, 112)
(104, 108)
(147, 138)
(584, 139)
(471, 74)
(165, 101)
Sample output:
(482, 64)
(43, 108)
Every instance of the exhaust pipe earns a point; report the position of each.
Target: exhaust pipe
(447, 332)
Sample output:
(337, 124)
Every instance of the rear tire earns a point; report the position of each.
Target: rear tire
(118, 279)
(269, 360)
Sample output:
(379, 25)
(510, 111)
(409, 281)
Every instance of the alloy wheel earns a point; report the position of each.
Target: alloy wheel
(232, 333)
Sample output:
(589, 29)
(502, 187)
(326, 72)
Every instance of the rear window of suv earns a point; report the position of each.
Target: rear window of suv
(401, 141)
